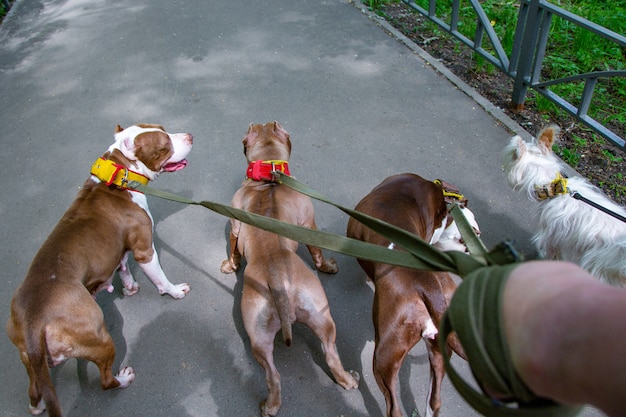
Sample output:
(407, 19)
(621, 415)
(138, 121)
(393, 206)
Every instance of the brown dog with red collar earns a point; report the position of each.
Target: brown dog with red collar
(279, 288)
(54, 315)
(408, 304)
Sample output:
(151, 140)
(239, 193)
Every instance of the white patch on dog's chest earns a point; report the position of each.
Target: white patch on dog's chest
(137, 197)
(141, 200)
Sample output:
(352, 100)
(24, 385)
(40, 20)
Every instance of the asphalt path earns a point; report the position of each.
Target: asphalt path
(360, 102)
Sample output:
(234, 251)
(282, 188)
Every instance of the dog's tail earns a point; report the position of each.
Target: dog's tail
(281, 299)
(36, 360)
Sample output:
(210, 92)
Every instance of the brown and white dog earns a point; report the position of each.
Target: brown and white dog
(279, 288)
(567, 229)
(54, 315)
(408, 304)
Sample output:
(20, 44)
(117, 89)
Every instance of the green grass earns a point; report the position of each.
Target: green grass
(571, 49)
(571, 155)
(3, 10)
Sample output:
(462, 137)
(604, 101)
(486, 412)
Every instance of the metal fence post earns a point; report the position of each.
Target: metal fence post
(526, 55)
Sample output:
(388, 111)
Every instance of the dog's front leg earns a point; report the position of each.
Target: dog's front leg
(130, 285)
(231, 264)
(153, 270)
(307, 219)
(328, 266)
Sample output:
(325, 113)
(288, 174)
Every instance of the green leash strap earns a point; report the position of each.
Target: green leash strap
(335, 243)
(503, 253)
(475, 314)
(473, 243)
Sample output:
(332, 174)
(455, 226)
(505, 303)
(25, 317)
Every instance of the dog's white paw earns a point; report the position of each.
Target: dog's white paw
(125, 376)
(41, 407)
(178, 291)
(131, 290)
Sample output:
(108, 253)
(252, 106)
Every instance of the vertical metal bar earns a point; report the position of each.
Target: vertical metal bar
(518, 38)
(454, 18)
(432, 8)
(527, 53)
(544, 32)
(478, 35)
(486, 28)
(585, 100)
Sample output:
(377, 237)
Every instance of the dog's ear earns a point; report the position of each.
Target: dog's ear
(249, 139)
(547, 138)
(281, 133)
(520, 147)
(118, 129)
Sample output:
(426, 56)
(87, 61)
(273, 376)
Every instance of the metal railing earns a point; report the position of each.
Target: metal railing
(526, 60)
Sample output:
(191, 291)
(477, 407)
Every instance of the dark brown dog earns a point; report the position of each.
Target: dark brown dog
(279, 289)
(408, 304)
(54, 316)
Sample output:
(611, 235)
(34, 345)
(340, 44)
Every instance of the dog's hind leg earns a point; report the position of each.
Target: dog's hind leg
(101, 351)
(437, 371)
(324, 328)
(313, 310)
(36, 405)
(399, 323)
(263, 351)
(90, 340)
(261, 322)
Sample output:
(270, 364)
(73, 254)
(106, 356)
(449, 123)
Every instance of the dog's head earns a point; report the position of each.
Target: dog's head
(527, 164)
(267, 141)
(151, 150)
(451, 239)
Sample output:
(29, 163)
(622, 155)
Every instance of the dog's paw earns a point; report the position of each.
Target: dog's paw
(131, 289)
(352, 382)
(178, 291)
(228, 267)
(328, 266)
(40, 408)
(269, 411)
(125, 376)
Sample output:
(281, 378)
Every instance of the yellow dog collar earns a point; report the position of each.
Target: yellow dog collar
(558, 186)
(449, 194)
(115, 174)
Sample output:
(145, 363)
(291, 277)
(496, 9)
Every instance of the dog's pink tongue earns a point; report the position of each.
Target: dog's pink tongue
(175, 166)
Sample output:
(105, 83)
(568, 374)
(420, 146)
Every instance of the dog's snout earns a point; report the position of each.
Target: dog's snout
(183, 138)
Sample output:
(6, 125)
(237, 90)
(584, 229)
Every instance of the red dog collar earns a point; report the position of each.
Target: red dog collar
(264, 170)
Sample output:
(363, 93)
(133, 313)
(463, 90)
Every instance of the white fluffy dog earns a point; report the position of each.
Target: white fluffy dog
(568, 229)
